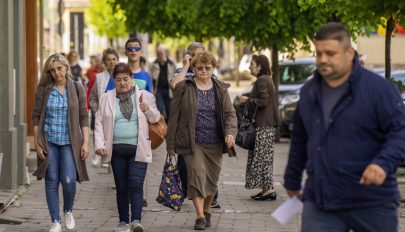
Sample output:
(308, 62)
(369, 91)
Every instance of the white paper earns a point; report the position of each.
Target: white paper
(287, 210)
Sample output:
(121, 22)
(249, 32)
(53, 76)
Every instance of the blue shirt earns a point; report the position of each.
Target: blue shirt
(125, 132)
(142, 79)
(56, 118)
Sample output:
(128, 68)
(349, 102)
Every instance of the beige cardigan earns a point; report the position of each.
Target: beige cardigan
(105, 118)
(78, 117)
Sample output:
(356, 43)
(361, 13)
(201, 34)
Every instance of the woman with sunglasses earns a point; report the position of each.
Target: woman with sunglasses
(61, 137)
(122, 139)
(202, 127)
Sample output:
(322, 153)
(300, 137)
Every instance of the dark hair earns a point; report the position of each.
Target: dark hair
(263, 62)
(122, 68)
(109, 51)
(142, 59)
(333, 31)
(133, 40)
(204, 58)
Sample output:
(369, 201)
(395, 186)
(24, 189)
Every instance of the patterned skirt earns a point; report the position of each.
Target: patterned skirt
(259, 167)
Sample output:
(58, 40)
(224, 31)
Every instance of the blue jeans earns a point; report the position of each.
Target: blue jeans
(163, 102)
(129, 176)
(61, 169)
(372, 219)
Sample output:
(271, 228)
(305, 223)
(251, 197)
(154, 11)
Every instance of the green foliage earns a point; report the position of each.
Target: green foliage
(107, 19)
(279, 23)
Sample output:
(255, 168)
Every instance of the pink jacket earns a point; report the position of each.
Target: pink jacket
(105, 118)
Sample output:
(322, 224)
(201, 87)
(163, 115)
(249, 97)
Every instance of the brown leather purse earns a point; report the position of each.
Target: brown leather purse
(157, 131)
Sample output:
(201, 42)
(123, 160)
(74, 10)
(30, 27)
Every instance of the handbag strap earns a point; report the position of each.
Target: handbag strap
(169, 160)
(246, 113)
(140, 99)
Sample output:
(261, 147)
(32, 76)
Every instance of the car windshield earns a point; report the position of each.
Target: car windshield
(295, 74)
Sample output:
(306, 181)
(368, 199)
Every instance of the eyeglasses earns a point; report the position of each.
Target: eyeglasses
(202, 68)
(134, 49)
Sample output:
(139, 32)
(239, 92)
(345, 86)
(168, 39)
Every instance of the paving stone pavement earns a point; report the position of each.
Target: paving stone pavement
(95, 207)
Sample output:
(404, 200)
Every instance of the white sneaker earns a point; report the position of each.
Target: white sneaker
(55, 227)
(136, 226)
(122, 227)
(96, 160)
(69, 221)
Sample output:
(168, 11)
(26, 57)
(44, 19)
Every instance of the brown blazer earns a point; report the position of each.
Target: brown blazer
(263, 96)
(183, 115)
(78, 117)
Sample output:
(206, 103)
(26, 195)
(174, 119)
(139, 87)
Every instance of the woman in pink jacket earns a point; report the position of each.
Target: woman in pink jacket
(122, 139)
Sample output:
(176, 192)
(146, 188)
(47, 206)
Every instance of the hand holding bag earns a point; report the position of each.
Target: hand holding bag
(157, 131)
(170, 191)
(246, 135)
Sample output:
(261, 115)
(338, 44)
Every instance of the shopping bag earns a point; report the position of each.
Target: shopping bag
(170, 191)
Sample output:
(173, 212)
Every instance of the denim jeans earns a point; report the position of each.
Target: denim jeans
(61, 169)
(163, 102)
(129, 176)
(371, 219)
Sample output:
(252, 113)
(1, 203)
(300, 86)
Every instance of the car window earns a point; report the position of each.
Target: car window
(295, 74)
(399, 77)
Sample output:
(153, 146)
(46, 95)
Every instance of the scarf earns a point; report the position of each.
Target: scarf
(125, 103)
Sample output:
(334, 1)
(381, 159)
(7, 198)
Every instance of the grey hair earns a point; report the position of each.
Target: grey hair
(46, 77)
(195, 45)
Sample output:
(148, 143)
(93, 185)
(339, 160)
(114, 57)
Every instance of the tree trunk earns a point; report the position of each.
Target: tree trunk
(276, 79)
(388, 34)
(110, 41)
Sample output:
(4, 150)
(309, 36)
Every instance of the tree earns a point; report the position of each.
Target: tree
(108, 20)
(363, 16)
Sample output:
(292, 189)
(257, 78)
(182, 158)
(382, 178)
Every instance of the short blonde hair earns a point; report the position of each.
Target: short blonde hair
(204, 58)
(46, 77)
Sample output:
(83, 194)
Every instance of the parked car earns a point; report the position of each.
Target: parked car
(293, 74)
(397, 75)
(288, 102)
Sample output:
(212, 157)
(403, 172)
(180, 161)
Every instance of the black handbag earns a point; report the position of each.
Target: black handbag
(246, 135)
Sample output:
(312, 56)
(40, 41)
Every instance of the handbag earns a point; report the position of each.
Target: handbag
(246, 135)
(170, 191)
(157, 131)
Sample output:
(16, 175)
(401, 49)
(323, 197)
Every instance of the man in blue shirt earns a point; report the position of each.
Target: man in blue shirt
(349, 136)
(133, 50)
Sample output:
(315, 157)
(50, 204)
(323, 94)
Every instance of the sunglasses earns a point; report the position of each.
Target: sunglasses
(134, 49)
(201, 68)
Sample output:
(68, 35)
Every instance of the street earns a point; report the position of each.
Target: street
(95, 205)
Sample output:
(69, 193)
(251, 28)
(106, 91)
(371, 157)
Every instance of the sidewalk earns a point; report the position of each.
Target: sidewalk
(95, 207)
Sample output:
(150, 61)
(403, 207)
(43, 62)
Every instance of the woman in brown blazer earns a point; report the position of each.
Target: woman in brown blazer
(263, 106)
(61, 136)
(202, 126)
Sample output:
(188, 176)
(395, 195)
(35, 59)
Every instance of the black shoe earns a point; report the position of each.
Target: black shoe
(256, 195)
(145, 203)
(207, 219)
(272, 196)
(200, 224)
